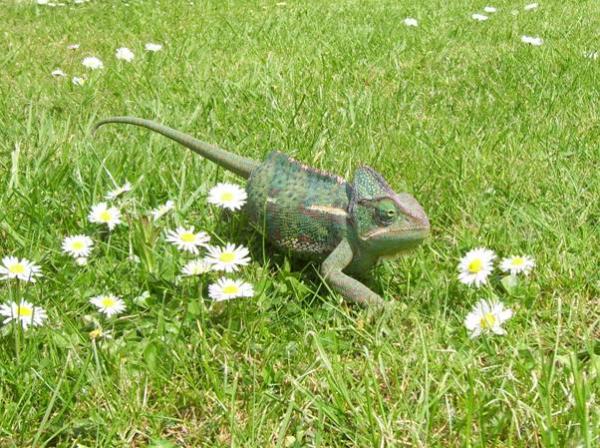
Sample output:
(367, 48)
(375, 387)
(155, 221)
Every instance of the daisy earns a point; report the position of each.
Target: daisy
(108, 304)
(535, 41)
(162, 210)
(77, 81)
(226, 288)
(479, 17)
(490, 9)
(487, 317)
(118, 191)
(58, 73)
(73, 47)
(92, 62)
(78, 246)
(125, 54)
(514, 265)
(43, 2)
(475, 267)
(228, 258)
(531, 6)
(152, 47)
(187, 239)
(24, 312)
(81, 261)
(22, 269)
(102, 214)
(409, 21)
(229, 196)
(196, 267)
(99, 333)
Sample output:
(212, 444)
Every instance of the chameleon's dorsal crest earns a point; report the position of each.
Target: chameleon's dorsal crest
(369, 184)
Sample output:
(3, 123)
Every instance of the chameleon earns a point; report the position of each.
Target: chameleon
(345, 226)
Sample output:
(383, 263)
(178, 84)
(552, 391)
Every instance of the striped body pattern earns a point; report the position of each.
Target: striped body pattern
(298, 209)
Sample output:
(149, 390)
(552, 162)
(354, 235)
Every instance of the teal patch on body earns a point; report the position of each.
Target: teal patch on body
(299, 209)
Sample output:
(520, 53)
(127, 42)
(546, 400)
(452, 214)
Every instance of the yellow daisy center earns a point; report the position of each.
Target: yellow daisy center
(105, 216)
(188, 237)
(487, 321)
(77, 245)
(17, 268)
(227, 257)
(518, 261)
(227, 196)
(475, 266)
(108, 302)
(24, 311)
(231, 289)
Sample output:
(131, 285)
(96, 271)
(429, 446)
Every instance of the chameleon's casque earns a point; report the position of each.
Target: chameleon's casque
(312, 214)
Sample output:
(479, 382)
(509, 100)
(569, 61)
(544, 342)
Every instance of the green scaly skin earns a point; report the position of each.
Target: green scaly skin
(346, 226)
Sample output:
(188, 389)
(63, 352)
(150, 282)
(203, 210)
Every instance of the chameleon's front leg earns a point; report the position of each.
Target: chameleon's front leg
(350, 288)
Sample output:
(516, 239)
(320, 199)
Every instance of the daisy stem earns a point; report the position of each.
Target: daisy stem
(201, 299)
(486, 343)
(15, 294)
(18, 330)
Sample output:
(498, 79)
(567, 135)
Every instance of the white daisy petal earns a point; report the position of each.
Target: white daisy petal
(409, 21)
(108, 304)
(479, 17)
(514, 265)
(113, 194)
(225, 289)
(187, 239)
(78, 246)
(58, 73)
(535, 41)
(161, 210)
(475, 267)
(92, 63)
(531, 6)
(125, 54)
(77, 81)
(150, 46)
(487, 317)
(490, 9)
(229, 196)
(496, 329)
(196, 267)
(227, 258)
(24, 313)
(25, 270)
(102, 214)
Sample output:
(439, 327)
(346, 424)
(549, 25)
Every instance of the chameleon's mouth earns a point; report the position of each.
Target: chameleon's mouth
(407, 233)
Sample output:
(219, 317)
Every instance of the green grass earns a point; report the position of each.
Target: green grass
(498, 140)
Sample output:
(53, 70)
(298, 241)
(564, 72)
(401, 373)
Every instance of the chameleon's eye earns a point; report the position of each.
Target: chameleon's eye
(386, 212)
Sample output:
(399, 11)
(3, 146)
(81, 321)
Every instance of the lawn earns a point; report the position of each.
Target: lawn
(498, 139)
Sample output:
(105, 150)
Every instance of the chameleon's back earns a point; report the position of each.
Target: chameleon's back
(298, 208)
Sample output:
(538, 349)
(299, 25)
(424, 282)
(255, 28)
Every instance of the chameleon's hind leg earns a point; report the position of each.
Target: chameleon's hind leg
(350, 288)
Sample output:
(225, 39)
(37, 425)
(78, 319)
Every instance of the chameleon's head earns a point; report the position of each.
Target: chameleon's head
(386, 222)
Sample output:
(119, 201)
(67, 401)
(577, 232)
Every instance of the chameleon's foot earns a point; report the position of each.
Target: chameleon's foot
(350, 288)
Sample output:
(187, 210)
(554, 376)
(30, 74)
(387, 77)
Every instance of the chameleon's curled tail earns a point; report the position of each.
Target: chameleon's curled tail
(241, 166)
